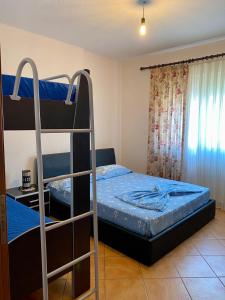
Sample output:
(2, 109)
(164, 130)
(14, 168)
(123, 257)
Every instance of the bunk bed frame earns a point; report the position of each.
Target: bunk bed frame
(25, 251)
(143, 249)
(4, 255)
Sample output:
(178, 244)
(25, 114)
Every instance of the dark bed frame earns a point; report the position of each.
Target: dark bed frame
(145, 250)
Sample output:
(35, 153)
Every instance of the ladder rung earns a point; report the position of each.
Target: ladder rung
(61, 177)
(68, 221)
(70, 264)
(66, 130)
(86, 295)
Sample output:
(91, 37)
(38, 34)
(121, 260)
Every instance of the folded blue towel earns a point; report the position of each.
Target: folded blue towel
(155, 199)
(145, 199)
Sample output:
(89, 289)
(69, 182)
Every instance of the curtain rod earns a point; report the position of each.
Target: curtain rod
(188, 61)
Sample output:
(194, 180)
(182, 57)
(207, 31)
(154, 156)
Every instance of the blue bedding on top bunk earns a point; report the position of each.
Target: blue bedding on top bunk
(145, 222)
(48, 90)
(20, 218)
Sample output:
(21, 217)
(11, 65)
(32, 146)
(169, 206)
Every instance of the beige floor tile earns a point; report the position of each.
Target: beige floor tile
(217, 263)
(101, 266)
(101, 247)
(166, 289)
(125, 289)
(205, 288)
(222, 279)
(121, 267)
(56, 290)
(220, 218)
(219, 230)
(210, 247)
(67, 276)
(110, 252)
(101, 290)
(220, 215)
(193, 266)
(68, 291)
(204, 233)
(184, 249)
(222, 241)
(164, 268)
(124, 275)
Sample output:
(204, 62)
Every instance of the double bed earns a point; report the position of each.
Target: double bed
(144, 234)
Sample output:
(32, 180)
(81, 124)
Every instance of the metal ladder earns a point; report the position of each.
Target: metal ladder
(41, 181)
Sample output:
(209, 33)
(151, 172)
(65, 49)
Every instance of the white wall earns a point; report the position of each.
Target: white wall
(121, 96)
(54, 57)
(135, 99)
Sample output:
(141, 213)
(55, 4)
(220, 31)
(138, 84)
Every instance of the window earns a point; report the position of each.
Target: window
(206, 107)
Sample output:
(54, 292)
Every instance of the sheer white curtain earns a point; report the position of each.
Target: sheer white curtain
(204, 147)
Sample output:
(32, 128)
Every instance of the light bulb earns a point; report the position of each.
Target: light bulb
(142, 30)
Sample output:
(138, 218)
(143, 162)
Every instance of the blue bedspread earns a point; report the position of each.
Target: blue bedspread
(142, 221)
(20, 218)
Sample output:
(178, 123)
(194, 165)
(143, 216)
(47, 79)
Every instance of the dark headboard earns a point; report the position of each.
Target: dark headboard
(59, 163)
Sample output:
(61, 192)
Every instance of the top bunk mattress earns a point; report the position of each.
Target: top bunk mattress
(20, 219)
(145, 222)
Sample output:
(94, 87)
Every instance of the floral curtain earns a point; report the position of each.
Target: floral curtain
(166, 121)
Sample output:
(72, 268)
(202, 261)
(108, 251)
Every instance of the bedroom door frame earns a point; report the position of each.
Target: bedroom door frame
(4, 253)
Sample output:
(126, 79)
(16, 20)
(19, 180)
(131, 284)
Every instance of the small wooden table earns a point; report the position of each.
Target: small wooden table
(30, 198)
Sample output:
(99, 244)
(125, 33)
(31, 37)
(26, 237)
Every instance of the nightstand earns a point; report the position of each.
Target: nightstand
(30, 199)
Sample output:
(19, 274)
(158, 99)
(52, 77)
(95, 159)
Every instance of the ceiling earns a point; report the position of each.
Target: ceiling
(110, 27)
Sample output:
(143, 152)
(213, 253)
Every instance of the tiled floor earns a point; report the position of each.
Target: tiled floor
(194, 270)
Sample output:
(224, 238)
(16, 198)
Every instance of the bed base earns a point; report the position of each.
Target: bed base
(142, 249)
(147, 251)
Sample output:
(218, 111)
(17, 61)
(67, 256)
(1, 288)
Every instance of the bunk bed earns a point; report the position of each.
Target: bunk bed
(4, 255)
(24, 249)
(25, 263)
(142, 234)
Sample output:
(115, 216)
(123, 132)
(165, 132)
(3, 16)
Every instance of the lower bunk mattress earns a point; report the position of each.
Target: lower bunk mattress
(21, 219)
(145, 222)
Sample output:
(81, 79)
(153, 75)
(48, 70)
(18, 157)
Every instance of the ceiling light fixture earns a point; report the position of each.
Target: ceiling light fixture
(142, 29)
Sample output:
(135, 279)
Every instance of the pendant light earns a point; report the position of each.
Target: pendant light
(142, 29)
